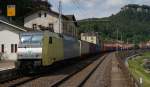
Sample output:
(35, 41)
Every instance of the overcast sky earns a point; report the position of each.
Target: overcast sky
(94, 8)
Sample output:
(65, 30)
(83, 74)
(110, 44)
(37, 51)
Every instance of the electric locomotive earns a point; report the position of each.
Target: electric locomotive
(38, 49)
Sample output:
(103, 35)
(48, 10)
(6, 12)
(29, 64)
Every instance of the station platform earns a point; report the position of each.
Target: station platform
(118, 78)
(5, 65)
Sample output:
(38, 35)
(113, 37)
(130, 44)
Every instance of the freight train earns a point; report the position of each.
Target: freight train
(39, 49)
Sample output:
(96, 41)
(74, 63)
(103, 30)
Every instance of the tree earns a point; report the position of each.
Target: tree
(134, 25)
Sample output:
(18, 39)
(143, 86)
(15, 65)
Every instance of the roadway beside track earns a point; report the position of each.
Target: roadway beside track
(5, 65)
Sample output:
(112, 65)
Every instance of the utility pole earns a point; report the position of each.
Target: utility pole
(117, 40)
(121, 41)
(60, 16)
(127, 45)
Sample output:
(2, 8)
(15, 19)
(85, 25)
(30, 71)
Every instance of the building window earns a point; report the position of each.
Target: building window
(34, 26)
(91, 38)
(40, 14)
(50, 40)
(85, 38)
(68, 29)
(12, 48)
(2, 48)
(16, 48)
(40, 26)
(45, 14)
(51, 27)
(64, 28)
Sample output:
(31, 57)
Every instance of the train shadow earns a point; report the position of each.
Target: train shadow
(67, 66)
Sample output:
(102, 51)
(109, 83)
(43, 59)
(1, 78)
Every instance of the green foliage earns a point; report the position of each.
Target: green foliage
(131, 24)
(137, 69)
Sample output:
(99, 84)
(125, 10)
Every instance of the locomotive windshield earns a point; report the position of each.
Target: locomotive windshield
(26, 39)
(37, 39)
(31, 38)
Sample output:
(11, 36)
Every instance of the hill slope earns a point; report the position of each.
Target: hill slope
(132, 22)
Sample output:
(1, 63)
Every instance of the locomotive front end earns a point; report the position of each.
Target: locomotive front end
(30, 50)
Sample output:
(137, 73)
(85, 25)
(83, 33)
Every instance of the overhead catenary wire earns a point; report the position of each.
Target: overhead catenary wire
(90, 20)
(79, 7)
(83, 12)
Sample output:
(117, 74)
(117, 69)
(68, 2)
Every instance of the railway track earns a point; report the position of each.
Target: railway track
(18, 80)
(51, 77)
(8, 75)
(80, 78)
(92, 72)
(101, 76)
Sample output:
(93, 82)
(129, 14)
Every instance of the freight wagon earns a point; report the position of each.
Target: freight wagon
(84, 48)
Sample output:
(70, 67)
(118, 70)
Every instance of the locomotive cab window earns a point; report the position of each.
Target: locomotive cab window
(50, 40)
(37, 39)
(26, 38)
(31, 38)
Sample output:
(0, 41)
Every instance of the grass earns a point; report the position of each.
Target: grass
(137, 69)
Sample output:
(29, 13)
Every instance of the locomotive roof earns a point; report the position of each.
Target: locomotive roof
(52, 34)
(31, 33)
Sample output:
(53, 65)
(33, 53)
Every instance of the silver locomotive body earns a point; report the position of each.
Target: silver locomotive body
(30, 50)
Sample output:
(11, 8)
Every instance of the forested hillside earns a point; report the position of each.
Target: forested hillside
(132, 22)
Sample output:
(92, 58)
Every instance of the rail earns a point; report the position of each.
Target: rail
(81, 83)
(16, 79)
(9, 74)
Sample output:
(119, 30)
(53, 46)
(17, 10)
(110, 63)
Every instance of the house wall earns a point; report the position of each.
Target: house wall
(91, 39)
(8, 36)
(67, 27)
(44, 21)
(70, 29)
(139, 9)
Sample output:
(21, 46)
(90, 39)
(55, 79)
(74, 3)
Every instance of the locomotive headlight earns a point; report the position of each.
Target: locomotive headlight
(38, 55)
